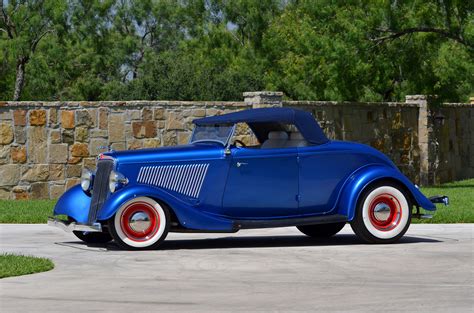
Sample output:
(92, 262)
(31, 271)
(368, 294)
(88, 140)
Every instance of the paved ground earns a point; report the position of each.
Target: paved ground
(430, 270)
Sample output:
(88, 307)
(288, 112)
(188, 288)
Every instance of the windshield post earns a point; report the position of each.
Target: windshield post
(227, 145)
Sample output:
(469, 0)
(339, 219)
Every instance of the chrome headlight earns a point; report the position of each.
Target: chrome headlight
(86, 179)
(116, 179)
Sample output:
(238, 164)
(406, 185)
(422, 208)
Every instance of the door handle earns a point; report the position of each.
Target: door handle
(239, 164)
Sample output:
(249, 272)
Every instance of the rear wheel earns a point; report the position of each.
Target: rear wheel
(139, 224)
(383, 214)
(93, 237)
(321, 230)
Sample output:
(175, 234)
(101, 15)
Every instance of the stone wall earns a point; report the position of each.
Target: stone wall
(45, 145)
(451, 142)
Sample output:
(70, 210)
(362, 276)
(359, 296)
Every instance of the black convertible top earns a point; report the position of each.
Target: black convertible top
(262, 121)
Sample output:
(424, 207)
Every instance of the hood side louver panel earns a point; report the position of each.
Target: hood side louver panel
(184, 179)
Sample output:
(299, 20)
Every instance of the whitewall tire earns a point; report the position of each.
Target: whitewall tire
(140, 223)
(383, 214)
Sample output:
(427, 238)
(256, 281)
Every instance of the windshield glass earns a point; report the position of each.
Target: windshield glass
(216, 133)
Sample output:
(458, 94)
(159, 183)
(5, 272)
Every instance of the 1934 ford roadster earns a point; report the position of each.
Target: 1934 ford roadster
(294, 176)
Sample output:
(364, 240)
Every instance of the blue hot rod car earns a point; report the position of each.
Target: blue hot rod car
(293, 176)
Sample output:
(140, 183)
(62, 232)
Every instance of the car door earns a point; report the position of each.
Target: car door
(262, 183)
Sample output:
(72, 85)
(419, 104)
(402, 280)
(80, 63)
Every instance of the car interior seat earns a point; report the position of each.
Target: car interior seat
(297, 140)
(276, 139)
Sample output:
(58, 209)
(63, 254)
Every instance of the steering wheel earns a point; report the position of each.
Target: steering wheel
(237, 141)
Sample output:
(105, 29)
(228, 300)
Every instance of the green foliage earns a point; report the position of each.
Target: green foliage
(217, 49)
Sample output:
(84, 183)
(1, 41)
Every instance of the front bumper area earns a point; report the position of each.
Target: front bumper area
(69, 227)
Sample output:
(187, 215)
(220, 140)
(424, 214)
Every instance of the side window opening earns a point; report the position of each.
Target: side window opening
(287, 137)
(244, 134)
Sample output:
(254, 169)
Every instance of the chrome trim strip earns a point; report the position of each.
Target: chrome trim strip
(177, 178)
(162, 175)
(196, 180)
(174, 178)
(157, 176)
(139, 173)
(202, 179)
(168, 176)
(145, 178)
(95, 227)
(191, 182)
(186, 178)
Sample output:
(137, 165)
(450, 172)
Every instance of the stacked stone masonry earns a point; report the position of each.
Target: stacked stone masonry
(45, 145)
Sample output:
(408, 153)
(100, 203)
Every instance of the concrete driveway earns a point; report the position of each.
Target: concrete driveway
(430, 270)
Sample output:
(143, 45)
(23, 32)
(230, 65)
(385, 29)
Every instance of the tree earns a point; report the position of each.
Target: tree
(450, 19)
(339, 50)
(216, 49)
(25, 23)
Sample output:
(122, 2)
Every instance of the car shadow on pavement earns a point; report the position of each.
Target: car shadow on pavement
(273, 242)
(236, 242)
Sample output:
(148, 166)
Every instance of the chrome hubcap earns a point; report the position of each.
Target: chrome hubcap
(140, 222)
(382, 212)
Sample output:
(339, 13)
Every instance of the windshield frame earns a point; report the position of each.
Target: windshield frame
(224, 144)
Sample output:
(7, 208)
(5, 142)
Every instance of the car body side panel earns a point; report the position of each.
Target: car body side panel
(74, 203)
(262, 183)
(188, 215)
(360, 179)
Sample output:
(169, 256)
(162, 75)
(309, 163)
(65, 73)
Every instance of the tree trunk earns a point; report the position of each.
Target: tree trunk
(20, 77)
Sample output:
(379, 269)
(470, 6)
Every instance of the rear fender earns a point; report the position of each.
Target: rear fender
(74, 203)
(189, 216)
(363, 177)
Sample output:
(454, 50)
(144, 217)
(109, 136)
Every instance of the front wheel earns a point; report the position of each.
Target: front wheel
(321, 230)
(139, 224)
(383, 214)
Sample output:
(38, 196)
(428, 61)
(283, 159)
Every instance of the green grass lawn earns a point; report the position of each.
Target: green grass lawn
(25, 211)
(461, 206)
(16, 265)
(460, 210)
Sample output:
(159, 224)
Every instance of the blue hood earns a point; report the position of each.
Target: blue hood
(183, 152)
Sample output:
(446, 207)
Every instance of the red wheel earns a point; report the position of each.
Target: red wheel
(383, 214)
(140, 223)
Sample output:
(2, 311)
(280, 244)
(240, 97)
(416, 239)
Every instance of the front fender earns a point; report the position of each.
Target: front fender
(74, 203)
(188, 215)
(363, 177)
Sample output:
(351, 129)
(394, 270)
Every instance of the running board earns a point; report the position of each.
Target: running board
(249, 224)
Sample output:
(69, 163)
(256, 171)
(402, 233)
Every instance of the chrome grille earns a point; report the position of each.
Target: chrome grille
(100, 188)
(185, 179)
